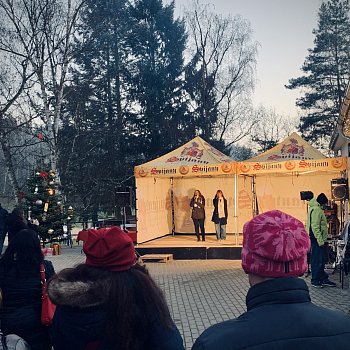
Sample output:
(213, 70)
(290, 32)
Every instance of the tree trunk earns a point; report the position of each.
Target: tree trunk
(10, 168)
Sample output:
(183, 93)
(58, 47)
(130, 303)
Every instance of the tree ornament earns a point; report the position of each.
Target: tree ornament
(39, 202)
(44, 175)
(50, 231)
(40, 136)
(51, 191)
(36, 190)
(37, 173)
(46, 207)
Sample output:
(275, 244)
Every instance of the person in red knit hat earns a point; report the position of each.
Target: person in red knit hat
(280, 314)
(110, 302)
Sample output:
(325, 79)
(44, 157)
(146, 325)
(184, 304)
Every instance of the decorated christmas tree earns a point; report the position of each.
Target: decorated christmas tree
(43, 202)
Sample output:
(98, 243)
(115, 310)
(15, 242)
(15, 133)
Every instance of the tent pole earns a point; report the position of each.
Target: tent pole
(235, 210)
(172, 207)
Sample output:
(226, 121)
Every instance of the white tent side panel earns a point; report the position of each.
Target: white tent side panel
(153, 208)
(244, 201)
(183, 192)
(283, 191)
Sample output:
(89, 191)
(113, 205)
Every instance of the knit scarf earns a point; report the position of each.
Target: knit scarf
(221, 208)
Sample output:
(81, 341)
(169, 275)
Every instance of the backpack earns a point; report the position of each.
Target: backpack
(12, 342)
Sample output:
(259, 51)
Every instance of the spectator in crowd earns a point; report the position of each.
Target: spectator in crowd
(280, 314)
(94, 217)
(317, 228)
(15, 222)
(20, 284)
(3, 216)
(110, 302)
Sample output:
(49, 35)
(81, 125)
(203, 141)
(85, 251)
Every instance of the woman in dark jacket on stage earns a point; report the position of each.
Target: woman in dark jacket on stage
(220, 215)
(198, 213)
(110, 302)
(20, 284)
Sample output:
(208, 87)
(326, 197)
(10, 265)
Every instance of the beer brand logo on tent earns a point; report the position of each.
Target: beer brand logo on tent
(245, 168)
(142, 172)
(184, 170)
(274, 157)
(293, 149)
(226, 167)
(154, 171)
(337, 163)
(172, 159)
(303, 164)
(290, 165)
(257, 166)
(193, 151)
(195, 169)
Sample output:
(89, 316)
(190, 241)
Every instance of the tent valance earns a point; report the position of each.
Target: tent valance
(245, 168)
(295, 166)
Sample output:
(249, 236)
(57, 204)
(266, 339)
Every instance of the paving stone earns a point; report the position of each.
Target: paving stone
(201, 293)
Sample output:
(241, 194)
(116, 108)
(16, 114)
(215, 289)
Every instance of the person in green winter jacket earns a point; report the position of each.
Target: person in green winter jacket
(316, 226)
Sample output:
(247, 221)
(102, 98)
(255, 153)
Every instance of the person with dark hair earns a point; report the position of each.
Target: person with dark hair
(3, 216)
(280, 314)
(220, 215)
(110, 302)
(317, 228)
(198, 213)
(20, 284)
(15, 222)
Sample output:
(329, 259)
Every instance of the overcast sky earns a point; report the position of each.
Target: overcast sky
(284, 30)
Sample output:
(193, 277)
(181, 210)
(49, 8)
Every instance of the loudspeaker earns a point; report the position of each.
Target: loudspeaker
(306, 195)
(339, 189)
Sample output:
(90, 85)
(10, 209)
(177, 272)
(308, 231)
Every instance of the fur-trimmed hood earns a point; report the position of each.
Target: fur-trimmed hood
(64, 291)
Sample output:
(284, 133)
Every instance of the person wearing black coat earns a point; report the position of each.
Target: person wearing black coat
(198, 213)
(280, 314)
(15, 222)
(20, 285)
(220, 215)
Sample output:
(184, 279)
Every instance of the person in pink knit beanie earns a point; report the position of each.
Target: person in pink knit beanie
(280, 314)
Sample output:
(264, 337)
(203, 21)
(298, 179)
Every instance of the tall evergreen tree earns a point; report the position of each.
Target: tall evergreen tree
(158, 43)
(92, 138)
(326, 72)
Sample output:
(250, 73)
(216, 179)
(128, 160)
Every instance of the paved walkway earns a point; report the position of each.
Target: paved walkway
(204, 292)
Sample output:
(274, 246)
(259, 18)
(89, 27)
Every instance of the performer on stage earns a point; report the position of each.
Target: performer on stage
(220, 215)
(198, 213)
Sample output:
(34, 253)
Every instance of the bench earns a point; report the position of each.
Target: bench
(160, 257)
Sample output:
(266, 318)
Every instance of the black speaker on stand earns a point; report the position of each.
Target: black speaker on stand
(340, 189)
(340, 192)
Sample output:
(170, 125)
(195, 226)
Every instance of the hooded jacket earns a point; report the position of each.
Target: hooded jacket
(280, 316)
(316, 222)
(21, 310)
(80, 317)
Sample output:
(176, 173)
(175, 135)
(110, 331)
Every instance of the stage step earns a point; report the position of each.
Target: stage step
(162, 257)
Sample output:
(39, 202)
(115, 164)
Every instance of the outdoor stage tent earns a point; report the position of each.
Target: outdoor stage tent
(281, 173)
(274, 179)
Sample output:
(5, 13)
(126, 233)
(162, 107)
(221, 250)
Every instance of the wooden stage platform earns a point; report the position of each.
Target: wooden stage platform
(186, 247)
